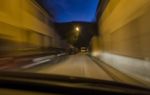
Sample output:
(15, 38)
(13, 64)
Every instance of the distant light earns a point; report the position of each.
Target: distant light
(77, 29)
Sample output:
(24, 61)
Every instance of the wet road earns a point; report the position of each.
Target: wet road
(79, 65)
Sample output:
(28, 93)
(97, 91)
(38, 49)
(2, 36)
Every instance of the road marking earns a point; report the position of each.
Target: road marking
(43, 58)
(36, 63)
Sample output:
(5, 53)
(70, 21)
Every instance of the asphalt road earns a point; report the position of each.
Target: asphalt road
(79, 65)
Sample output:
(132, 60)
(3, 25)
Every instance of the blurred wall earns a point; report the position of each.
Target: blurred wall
(95, 45)
(124, 39)
(124, 28)
(25, 25)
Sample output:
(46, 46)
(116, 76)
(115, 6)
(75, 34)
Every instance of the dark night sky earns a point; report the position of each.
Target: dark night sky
(72, 10)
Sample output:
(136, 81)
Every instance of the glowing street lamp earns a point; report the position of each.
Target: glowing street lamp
(77, 29)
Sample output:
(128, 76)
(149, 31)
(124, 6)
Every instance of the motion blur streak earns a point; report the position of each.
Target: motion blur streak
(119, 39)
(25, 26)
(125, 36)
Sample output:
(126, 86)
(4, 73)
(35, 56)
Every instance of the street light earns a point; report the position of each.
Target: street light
(77, 28)
(77, 31)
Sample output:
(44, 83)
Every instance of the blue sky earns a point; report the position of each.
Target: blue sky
(72, 10)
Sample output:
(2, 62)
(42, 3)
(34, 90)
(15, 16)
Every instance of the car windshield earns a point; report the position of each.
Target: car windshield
(94, 39)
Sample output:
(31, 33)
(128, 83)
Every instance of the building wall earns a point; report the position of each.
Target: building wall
(124, 28)
(26, 25)
(125, 36)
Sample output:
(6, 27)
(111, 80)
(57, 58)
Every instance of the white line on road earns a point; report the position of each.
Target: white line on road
(36, 63)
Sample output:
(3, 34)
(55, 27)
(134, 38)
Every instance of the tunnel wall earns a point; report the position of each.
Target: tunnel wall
(125, 36)
(25, 25)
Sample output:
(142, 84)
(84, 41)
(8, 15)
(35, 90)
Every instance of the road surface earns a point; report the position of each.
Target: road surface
(79, 65)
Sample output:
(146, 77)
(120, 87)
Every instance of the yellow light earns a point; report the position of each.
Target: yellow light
(77, 29)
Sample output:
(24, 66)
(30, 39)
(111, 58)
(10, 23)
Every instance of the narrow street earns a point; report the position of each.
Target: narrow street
(77, 65)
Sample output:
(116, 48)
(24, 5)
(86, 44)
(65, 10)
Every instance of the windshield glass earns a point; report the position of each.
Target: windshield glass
(94, 39)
